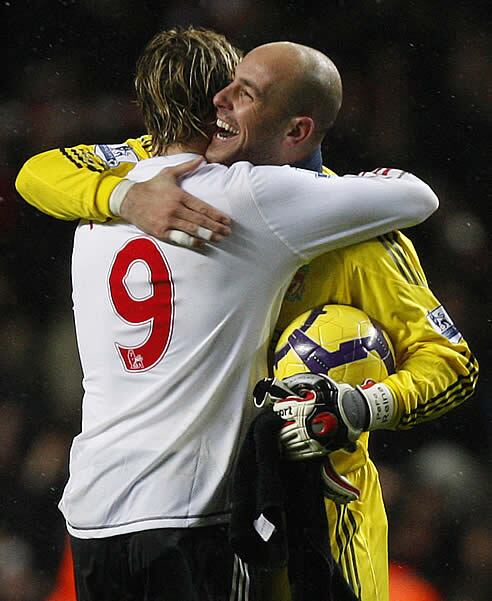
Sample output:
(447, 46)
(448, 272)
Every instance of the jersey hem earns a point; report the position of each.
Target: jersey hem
(153, 524)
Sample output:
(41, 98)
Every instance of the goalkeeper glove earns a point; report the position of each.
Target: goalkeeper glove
(336, 487)
(269, 392)
(309, 424)
(322, 415)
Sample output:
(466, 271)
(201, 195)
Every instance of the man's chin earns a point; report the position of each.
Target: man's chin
(218, 152)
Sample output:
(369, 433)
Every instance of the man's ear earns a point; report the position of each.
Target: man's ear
(300, 129)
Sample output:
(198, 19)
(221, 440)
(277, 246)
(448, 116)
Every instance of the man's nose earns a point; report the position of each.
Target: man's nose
(223, 98)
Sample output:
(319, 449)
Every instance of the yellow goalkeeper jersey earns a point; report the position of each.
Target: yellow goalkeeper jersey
(435, 368)
(383, 277)
(73, 183)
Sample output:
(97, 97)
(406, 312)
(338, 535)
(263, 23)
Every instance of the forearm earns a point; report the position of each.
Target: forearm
(338, 211)
(434, 380)
(77, 183)
(435, 368)
(57, 186)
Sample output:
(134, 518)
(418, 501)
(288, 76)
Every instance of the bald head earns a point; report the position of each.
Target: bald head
(276, 111)
(306, 79)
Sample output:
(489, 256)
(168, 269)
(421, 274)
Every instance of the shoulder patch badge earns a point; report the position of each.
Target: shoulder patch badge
(114, 154)
(443, 324)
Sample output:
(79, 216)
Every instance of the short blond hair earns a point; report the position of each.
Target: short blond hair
(177, 76)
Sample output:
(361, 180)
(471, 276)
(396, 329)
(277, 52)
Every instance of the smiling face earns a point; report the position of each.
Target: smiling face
(177, 76)
(252, 116)
(283, 99)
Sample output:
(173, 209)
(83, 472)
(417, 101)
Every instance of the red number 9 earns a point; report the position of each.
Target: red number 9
(157, 309)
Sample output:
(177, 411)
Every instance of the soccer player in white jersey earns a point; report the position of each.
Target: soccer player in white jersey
(172, 340)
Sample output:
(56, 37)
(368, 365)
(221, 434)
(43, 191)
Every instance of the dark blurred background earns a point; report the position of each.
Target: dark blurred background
(417, 95)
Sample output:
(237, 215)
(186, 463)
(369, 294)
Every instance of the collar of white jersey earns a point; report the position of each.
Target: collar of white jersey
(170, 160)
(148, 168)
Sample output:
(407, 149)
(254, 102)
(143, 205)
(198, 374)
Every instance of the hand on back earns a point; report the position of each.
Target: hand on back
(162, 209)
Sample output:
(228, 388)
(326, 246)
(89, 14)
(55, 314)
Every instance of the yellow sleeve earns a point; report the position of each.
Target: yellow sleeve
(73, 183)
(383, 277)
(328, 171)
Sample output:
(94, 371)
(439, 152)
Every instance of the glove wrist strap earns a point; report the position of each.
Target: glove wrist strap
(381, 405)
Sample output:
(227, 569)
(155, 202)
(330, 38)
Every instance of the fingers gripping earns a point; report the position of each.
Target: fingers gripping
(198, 220)
(309, 426)
(336, 487)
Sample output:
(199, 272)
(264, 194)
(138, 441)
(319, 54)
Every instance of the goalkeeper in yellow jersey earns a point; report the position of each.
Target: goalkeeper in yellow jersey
(436, 371)
(383, 277)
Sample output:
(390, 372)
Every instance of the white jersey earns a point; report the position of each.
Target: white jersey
(172, 340)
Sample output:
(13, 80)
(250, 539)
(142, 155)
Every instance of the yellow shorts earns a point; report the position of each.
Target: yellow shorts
(359, 541)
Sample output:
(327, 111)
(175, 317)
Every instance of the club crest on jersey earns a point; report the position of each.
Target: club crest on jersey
(114, 154)
(443, 324)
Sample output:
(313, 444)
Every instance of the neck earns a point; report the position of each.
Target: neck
(313, 162)
(196, 146)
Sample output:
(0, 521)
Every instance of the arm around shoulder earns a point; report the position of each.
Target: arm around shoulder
(70, 183)
(313, 213)
(419, 200)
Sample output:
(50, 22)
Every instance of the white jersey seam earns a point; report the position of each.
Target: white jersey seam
(272, 229)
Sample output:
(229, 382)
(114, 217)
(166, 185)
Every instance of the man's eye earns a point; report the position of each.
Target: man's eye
(244, 94)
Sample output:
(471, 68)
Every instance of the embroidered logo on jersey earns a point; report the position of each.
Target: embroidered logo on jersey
(114, 154)
(295, 290)
(312, 173)
(136, 361)
(443, 324)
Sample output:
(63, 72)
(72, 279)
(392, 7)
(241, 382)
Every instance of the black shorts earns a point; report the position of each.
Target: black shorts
(169, 564)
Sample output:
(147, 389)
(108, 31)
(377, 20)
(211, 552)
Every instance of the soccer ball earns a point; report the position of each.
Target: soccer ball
(337, 340)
